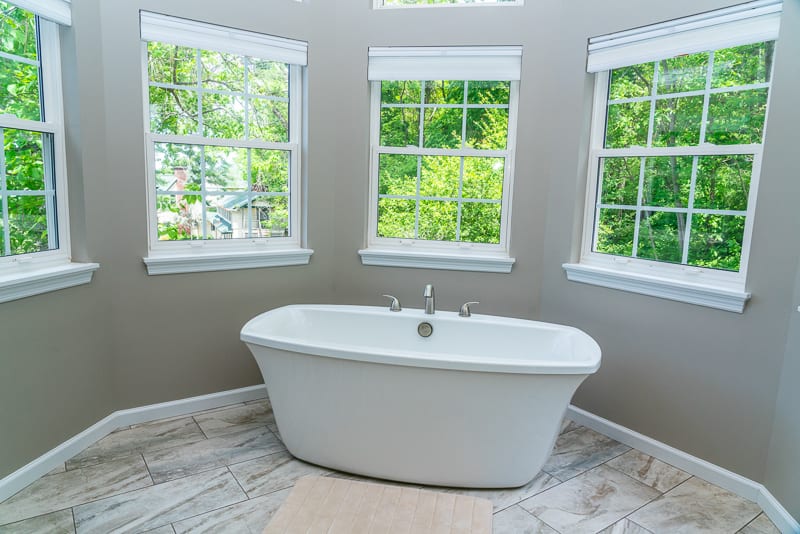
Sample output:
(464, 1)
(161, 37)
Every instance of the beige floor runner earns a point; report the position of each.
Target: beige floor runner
(339, 506)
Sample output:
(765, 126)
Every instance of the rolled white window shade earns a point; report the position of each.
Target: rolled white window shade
(193, 34)
(501, 63)
(734, 26)
(59, 11)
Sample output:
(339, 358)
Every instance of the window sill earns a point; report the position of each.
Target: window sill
(26, 282)
(437, 260)
(721, 298)
(202, 262)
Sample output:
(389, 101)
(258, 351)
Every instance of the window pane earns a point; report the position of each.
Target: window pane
(223, 116)
(225, 218)
(439, 176)
(270, 170)
(620, 180)
(397, 174)
(18, 28)
(615, 232)
(631, 82)
(270, 216)
(627, 124)
(173, 111)
(27, 224)
(179, 217)
(222, 72)
(225, 168)
(444, 92)
(479, 92)
(396, 218)
(19, 89)
(682, 73)
(737, 117)
(487, 128)
(400, 92)
(667, 181)
(399, 127)
(437, 220)
(178, 167)
(677, 121)
(743, 65)
(723, 182)
(480, 222)
(483, 178)
(267, 78)
(716, 241)
(24, 160)
(269, 120)
(661, 236)
(442, 128)
(175, 65)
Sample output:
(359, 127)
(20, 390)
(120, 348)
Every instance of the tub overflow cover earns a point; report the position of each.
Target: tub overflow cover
(425, 329)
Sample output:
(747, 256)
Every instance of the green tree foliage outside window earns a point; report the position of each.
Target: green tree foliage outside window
(234, 192)
(27, 186)
(682, 209)
(450, 195)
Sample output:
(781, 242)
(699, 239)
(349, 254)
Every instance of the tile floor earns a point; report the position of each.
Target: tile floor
(226, 470)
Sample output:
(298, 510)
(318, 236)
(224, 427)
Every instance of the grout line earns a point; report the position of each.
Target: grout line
(146, 466)
(74, 524)
(247, 495)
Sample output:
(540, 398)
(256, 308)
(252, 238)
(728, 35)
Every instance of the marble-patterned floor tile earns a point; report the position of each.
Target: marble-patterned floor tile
(697, 505)
(272, 473)
(249, 517)
(760, 525)
(64, 490)
(515, 520)
(161, 504)
(626, 526)
(137, 439)
(589, 502)
(568, 425)
(505, 497)
(177, 462)
(580, 450)
(236, 419)
(54, 523)
(648, 470)
(62, 467)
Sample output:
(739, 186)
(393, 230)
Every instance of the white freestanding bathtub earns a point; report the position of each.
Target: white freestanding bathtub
(477, 404)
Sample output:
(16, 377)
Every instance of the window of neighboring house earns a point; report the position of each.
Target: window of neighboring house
(34, 238)
(223, 143)
(675, 159)
(438, 3)
(442, 157)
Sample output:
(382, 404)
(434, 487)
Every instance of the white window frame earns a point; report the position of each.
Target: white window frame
(421, 253)
(380, 4)
(714, 288)
(25, 275)
(170, 257)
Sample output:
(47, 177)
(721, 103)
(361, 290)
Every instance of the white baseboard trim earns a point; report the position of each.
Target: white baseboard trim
(45, 463)
(744, 487)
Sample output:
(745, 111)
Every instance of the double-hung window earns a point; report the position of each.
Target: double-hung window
(679, 120)
(442, 147)
(34, 237)
(223, 120)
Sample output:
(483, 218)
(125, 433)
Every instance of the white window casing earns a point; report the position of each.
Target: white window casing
(489, 63)
(31, 274)
(170, 257)
(709, 287)
(382, 4)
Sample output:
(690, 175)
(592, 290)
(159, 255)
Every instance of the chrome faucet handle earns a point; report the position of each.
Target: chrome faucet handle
(464, 311)
(395, 305)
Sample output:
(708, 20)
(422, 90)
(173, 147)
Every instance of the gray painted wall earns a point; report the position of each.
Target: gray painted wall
(699, 379)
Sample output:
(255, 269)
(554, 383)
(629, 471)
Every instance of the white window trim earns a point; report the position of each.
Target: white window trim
(172, 257)
(379, 4)
(25, 275)
(724, 290)
(418, 253)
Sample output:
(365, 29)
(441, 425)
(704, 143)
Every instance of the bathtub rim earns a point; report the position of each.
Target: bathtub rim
(591, 364)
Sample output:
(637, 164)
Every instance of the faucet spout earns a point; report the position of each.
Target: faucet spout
(430, 300)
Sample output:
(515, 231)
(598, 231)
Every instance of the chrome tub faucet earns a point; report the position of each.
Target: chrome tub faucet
(430, 300)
